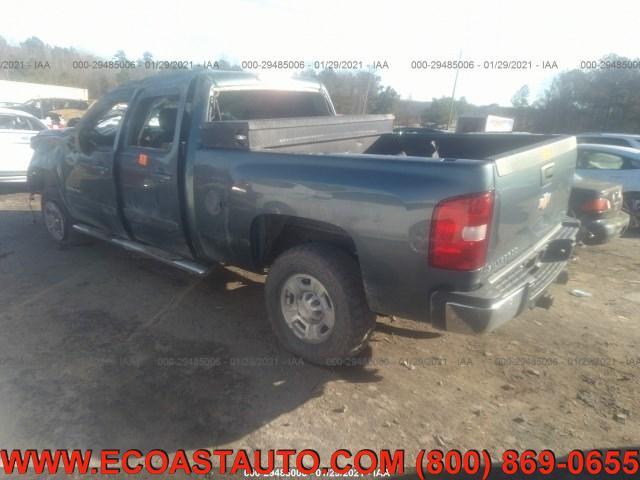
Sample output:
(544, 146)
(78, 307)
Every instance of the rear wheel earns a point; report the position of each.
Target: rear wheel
(56, 220)
(316, 304)
(631, 205)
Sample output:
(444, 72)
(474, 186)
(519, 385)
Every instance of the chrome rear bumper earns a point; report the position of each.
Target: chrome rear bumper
(492, 305)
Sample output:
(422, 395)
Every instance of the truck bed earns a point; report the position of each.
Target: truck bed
(372, 134)
(478, 146)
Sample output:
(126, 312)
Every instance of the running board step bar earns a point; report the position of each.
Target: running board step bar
(152, 252)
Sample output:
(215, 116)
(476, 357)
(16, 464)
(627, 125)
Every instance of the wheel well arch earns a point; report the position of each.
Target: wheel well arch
(272, 234)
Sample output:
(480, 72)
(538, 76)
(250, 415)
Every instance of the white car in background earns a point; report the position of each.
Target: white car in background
(614, 164)
(16, 130)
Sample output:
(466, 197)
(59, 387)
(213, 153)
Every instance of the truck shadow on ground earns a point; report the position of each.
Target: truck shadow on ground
(406, 332)
(117, 351)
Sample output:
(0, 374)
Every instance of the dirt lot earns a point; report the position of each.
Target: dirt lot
(102, 348)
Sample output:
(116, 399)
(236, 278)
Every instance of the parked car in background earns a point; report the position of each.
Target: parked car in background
(620, 165)
(598, 206)
(619, 139)
(16, 130)
(60, 111)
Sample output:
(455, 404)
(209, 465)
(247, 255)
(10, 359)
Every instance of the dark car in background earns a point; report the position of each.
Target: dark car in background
(598, 206)
(61, 111)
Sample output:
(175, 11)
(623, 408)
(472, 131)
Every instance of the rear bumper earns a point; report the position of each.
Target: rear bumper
(494, 304)
(605, 228)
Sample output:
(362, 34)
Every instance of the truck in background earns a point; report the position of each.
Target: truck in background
(58, 106)
(483, 123)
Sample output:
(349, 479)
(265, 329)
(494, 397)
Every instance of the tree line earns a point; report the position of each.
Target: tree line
(599, 99)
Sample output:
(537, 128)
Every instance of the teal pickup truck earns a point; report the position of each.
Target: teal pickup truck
(347, 218)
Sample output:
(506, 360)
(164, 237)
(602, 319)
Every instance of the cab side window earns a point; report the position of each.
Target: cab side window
(101, 132)
(154, 124)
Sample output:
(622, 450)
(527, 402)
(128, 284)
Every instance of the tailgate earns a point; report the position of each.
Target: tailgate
(533, 185)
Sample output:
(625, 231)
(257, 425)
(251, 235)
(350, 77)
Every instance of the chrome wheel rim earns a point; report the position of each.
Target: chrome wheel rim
(54, 221)
(307, 308)
(628, 205)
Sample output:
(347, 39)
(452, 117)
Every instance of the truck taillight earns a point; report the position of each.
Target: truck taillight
(598, 205)
(460, 232)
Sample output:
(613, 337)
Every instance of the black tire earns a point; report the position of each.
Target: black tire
(631, 200)
(54, 211)
(339, 274)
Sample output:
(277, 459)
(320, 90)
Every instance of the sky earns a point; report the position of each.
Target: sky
(397, 32)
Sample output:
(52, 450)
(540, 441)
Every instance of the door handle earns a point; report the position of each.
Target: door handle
(162, 177)
(546, 173)
(155, 179)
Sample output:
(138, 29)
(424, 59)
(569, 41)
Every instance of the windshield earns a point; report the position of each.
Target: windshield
(259, 104)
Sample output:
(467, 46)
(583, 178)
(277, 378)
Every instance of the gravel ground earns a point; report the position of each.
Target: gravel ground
(101, 348)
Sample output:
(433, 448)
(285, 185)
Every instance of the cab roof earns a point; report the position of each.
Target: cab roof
(225, 80)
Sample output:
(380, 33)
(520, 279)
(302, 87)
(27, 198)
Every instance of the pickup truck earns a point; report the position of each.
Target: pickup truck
(347, 218)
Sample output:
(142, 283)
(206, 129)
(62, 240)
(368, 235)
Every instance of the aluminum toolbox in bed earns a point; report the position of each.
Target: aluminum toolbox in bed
(330, 134)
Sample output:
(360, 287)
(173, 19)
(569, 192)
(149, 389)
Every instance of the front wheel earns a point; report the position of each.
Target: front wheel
(56, 220)
(317, 305)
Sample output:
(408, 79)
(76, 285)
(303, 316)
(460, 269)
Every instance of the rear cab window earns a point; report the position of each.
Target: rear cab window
(261, 104)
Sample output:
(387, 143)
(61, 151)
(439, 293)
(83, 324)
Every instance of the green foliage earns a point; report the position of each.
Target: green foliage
(606, 99)
(384, 100)
(355, 92)
(520, 99)
(438, 112)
